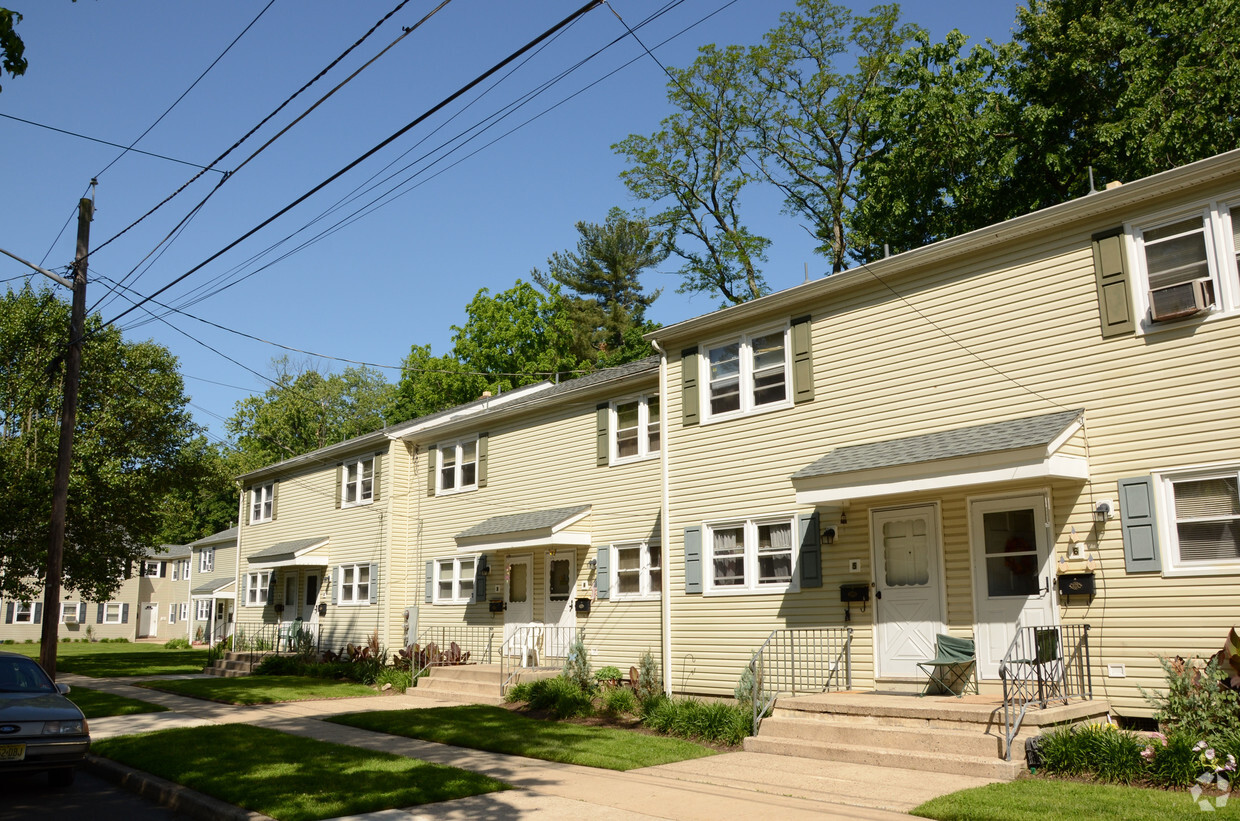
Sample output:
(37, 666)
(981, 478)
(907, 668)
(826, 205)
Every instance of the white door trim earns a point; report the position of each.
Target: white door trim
(567, 615)
(510, 623)
(939, 585)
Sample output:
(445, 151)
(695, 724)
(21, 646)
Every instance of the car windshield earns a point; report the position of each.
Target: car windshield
(21, 675)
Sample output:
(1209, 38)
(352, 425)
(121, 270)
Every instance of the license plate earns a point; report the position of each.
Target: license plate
(12, 752)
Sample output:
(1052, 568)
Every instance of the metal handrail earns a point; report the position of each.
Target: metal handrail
(799, 660)
(531, 645)
(434, 643)
(1041, 664)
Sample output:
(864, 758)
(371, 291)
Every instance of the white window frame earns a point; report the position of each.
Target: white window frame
(112, 612)
(72, 607)
(203, 611)
(23, 608)
(1165, 481)
(257, 586)
(746, 374)
(184, 611)
(751, 583)
(172, 613)
(362, 484)
(644, 428)
(458, 595)
(458, 467)
(149, 565)
(354, 586)
(647, 571)
(206, 560)
(175, 571)
(185, 568)
(262, 503)
(1220, 259)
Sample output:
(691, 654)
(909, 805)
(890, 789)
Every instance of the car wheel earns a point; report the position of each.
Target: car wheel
(62, 777)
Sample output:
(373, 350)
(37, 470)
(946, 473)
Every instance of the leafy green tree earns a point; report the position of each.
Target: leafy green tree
(130, 447)
(429, 384)
(12, 49)
(306, 410)
(601, 282)
(208, 507)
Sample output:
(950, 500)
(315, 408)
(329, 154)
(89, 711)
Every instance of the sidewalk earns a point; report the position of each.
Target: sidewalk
(729, 785)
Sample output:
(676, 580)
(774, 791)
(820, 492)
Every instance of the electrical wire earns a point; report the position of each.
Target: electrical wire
(129, 148)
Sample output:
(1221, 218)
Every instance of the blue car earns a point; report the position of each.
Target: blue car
(40, 729)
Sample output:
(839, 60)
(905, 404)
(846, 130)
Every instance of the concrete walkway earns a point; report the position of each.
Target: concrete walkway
(729, 785)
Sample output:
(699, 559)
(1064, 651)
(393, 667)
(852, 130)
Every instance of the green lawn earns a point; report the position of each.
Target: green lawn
(288, 777)
(108, 660)
(261, 689)
(97, 704)
(1039, 799)
(482, 727)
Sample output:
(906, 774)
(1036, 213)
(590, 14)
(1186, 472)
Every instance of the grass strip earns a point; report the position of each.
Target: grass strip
(291, 778)
(109, 660)
(261, 689)
(483, 727)
(97, 704)
(1039, 799)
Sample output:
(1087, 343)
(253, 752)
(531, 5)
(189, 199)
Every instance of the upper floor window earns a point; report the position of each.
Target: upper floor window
(152, 568)
(1204, 509)
(357, 482)
(747, 374)
(458, 466)
(636, 571)
(206, 560)
(635, 428)
(750, 555)
(262, 503)
(1186, 265)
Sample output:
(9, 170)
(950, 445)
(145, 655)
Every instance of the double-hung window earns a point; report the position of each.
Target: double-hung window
(1204, 526)
(747, 374)
(112, 613)
(23, 613)
(69, 612)
(354, 584)
(151, 568)
(204, 610)
(358, 482)
(206, 560)
(262, 503)
(172, 613)
(751, 555)
(256, 588)
(1187, 264)
(636, 571)
(635, 428)
(184, 610)
(454, 579)
(458, 466)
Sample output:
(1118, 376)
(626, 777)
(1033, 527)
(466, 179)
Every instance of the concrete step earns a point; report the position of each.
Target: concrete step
(430, 684)
(467, 672)
(972, 741)
(221, 672)
(936, 762)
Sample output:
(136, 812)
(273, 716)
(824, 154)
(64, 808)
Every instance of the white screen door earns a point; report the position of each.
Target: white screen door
(518, 594)
(908, 609)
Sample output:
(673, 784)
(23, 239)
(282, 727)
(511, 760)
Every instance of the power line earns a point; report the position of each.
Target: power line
(129, 148)
(589, 6)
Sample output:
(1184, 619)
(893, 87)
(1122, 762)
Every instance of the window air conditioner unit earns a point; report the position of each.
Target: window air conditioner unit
(1182, 300)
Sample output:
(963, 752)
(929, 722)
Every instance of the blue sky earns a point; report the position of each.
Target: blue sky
(400, 273)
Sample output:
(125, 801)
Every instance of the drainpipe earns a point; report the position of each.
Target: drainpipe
(665, 531)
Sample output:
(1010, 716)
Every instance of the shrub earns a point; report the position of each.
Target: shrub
(690, 718)
(1117, 755)
(1175, 762)
(1197, 700)
(577, 665)
(608, 675)
(744, 687)
(619, 701)
(280, 666)
(176, 644)
(1063, 753)
(401, 680)
(649, 681)
(561, 697)
(518, 693)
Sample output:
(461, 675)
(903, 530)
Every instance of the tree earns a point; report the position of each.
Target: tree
(208, 507)
(131, 438)
(601, 281)
(306, 410)
(12, 49)
(429, 384)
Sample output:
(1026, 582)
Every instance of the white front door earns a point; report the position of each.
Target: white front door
(559, 612)
(518, 594)
(1011, 573)
(150, 620)
(908, 606)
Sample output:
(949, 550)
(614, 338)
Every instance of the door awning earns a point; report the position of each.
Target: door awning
(562, 526)
(217, 587)
(1035, 447)
(297, 553)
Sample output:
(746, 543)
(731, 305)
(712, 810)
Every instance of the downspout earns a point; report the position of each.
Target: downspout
(665, 530)
(237, 596)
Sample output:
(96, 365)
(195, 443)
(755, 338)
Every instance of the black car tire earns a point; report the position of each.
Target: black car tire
(62, 777)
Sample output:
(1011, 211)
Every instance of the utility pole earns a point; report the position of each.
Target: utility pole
(64, 455)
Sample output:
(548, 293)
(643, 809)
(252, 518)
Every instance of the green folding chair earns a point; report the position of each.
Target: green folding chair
(953, 667)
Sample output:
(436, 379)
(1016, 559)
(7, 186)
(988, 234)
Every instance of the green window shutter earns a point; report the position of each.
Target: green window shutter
(275, 497)
(689, 402)
(271, 588)
(483, 455)
(693, 560)
(480, 580)
(8, 613)
(246, 502)
(811, 551)
(335, 589)
(82, 613)
(802, 361)
(1139, 525)
(1114, 287)
(376, 480)
(38, 612)
(602, 434)
(430, 470)
(125, 613)
(99, 615)
(339, 484)
(430, 582)
(602, 573)
(374, 583)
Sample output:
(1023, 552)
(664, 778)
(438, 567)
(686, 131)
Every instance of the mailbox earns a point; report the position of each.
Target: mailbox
(854, 592)
(496, 605)
(582, 605)
(1077, 584)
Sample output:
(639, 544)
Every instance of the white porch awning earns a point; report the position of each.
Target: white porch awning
(539, 528)
(1036, 447)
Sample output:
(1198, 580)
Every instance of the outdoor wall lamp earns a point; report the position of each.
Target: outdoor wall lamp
(1104, 511)
(592, 563)
(829, 534)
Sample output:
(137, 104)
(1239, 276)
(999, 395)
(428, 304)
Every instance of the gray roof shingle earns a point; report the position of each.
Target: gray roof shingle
(211, 585)
(285, 550)
(972, 441)
(522, 522)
